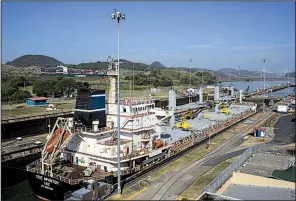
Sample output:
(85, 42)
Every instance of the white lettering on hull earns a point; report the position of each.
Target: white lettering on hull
(47, 182)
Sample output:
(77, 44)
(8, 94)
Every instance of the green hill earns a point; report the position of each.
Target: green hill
(125, 64)
(34, 60)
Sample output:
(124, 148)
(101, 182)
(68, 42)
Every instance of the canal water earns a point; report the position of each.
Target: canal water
(22, 191)
(254, 85)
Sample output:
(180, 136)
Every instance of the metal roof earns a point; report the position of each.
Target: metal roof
(259, 129)
(38, 98)
(249, 192)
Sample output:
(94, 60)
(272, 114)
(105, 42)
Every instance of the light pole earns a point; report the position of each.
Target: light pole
(190, 60)
(263, 105)
(118, 16)
(239, 73)
(133, 78)
(264, 74)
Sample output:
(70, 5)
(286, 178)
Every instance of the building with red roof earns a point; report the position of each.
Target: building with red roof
(36, 101)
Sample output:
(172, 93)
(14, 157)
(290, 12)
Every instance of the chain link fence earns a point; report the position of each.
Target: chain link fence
(227, 173)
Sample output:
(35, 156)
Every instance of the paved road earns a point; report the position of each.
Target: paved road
(286, 130)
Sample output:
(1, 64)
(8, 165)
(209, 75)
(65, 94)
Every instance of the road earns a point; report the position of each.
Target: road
(178, 182)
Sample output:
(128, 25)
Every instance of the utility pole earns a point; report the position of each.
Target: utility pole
(238, 73)
(264, 73)
(263, 105)
(190, 60)
(133, 78)
(118, 16)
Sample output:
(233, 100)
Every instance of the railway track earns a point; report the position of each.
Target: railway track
(208, 156)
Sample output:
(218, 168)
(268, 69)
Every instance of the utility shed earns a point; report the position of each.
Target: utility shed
(259, 132)
(36, 101)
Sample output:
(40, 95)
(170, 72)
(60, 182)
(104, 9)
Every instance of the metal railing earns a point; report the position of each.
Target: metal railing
(32, 168)
(227, 173)
(91, 130)
(124, 157)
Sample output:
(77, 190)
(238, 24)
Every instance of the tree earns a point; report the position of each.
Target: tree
(20, 81)
(40, 88)
(7, 91)
(66, 86)
(20, 96)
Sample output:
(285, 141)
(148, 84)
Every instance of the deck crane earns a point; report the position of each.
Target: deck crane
(183, 124)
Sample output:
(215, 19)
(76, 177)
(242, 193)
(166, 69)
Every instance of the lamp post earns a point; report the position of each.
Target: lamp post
(239, 73)
(190, 60)
(118, 16)
(263, 71)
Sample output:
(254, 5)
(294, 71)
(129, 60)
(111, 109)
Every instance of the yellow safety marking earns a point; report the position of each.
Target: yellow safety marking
(180, 198)
(137, 193)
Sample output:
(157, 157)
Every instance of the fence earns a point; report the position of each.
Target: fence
(227, 173)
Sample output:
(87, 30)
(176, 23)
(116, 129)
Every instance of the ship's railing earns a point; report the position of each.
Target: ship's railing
(124, 157)
(135, 102)
(138, 115)
(137, 129)
(33, 164)
(110, 143)
(218, 127)
(91, 130)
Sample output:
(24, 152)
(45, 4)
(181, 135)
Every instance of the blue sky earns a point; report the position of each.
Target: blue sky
(215, 35)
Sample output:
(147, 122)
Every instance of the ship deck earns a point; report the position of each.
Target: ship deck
(75, 173)
(201, 123)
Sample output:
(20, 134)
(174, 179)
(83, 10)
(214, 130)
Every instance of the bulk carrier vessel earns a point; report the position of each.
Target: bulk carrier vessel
(82, 151)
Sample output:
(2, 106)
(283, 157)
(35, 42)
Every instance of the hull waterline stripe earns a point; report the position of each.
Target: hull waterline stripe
(80, 110)
(98, 95)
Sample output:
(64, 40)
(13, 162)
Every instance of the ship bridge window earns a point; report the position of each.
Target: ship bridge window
(124, 109)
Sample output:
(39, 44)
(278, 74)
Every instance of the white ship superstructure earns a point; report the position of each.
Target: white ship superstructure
(99, 146)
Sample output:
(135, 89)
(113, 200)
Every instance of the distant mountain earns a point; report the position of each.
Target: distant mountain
(34, 60)
(102, 65)
(157, 64)
(46, 61)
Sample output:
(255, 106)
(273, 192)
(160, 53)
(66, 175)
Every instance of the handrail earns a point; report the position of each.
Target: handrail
(135, 102)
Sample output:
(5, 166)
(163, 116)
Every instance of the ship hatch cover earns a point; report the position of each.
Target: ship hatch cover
(164, 136)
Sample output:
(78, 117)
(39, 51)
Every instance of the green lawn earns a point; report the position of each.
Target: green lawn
(198, 187)
(22, 110)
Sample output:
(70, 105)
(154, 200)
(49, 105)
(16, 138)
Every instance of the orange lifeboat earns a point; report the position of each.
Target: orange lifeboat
(53, 140)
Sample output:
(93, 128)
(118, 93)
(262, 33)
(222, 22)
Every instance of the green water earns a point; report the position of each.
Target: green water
(19, 192)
